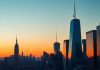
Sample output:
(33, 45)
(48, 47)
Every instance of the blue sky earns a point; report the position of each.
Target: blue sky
(38, 20)
(51, 14)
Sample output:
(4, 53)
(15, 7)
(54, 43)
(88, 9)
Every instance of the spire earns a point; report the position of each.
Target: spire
(56, 36)
(74, 15)
(16, 39)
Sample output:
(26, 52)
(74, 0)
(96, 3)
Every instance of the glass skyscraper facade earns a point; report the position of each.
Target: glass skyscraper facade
(75, 42)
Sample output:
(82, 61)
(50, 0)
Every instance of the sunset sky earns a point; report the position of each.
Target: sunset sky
(35, 22)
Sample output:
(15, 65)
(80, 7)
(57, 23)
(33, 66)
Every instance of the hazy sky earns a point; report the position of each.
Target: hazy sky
(35, 22)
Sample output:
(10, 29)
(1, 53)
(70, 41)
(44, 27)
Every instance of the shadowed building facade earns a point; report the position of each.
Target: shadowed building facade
(65, 53)
(56, 47)
(84, 45)
(98, 40)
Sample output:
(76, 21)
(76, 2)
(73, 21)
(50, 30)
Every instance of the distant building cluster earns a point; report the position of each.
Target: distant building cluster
(53, 61)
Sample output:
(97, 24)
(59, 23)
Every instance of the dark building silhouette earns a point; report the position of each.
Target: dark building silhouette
(98, 40)
(56, 46)
(91, 38)
(56, 61)
(75, 42)
(84, 45)
(45, 60)
(65, 53)
(22, 53)
(52, 62)
(59, 61)
(16, 53)
(6, 60)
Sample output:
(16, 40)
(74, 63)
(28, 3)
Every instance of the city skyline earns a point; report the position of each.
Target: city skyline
(36, 35)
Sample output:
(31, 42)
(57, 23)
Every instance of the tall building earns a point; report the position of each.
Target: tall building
(84, 45)
(56, 46)
(98, 40)
(91, 43)
(16, 52)
(65, 48)
(91, 40)
(75, 41)
(65, 54)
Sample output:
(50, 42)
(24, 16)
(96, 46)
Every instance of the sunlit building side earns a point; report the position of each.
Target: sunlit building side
(91, 43)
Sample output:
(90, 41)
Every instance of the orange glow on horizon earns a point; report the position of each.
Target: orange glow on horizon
(32, 47)
(35, 51)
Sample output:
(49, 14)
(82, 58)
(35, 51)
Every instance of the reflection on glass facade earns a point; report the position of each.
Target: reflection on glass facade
(91, 43)
(98, 40)
(75, 42)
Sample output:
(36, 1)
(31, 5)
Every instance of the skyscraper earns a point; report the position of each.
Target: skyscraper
(65, 53)
(56, 46)
(75, 41)
(98, 40)
(91, 40)
(65, 48)
(16, 52)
